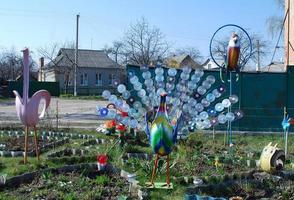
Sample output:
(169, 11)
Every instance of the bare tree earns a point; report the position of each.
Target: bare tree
(10, 65)
(116, 52)
(276, 22)
(193, 52)
(50, 52)
(141, 44)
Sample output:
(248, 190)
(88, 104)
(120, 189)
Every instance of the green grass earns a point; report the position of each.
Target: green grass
(4, 99)
(199, 149)
(71, 96)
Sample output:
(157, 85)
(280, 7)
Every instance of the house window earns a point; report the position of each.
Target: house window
(111, 79)
(84, 79)
(67, 78)
(98, 79)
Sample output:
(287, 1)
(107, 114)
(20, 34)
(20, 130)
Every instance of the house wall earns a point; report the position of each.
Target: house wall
(289, 33)
(49, 76)
(91, 87)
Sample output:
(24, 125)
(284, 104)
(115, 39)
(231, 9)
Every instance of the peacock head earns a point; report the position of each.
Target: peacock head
(162, 106)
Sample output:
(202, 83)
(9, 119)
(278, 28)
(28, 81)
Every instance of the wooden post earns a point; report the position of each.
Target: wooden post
(26, 145)
(154, 169)
(36, 144)
(57, 115)
(167, 172)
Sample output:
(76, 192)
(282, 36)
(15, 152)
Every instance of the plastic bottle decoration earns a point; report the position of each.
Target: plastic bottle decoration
(110, 126)
(236, 55)
(101, 161)
(233, 53)
(118, 124)
(182, 100)
(27, 108)
(285, 125)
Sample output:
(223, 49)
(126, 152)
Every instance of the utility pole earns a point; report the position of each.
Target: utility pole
(76, 56)
(258, 55)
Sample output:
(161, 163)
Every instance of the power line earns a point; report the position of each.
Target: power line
(280, 34)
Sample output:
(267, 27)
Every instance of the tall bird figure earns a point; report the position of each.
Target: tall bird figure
(233, 53)
(27, 109)
(162, 137)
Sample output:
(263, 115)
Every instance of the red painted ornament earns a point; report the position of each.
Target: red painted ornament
(102, 159)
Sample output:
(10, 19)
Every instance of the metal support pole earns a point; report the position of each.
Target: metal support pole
(229, 110)
(258, 55)
(76, 56)
(286, 131)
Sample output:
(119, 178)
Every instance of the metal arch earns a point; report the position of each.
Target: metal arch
(250, 43)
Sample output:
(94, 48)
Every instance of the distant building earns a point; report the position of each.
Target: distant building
(289, 33)
(209, 65)
(181, 60)
(95, 72)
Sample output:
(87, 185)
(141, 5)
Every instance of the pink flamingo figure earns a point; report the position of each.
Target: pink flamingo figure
(27, 109)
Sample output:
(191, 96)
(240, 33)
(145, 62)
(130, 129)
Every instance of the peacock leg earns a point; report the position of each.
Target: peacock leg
(36, 144)
(154, 169)
(26, 146)
(167, 172)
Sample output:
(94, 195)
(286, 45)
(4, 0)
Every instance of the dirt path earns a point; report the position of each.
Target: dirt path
(72, 113)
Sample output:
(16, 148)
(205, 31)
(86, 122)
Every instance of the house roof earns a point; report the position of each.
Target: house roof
(86, 58)
(179, 59)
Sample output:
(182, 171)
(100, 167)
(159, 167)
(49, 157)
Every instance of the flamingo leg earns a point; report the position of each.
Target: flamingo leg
(167, 172)
(26, 145)
(154, 169)
(36, 144)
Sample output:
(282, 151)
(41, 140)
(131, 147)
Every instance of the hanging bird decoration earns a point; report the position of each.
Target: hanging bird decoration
(233, 53)
(231, 57)
(27, 108)
(173, 102)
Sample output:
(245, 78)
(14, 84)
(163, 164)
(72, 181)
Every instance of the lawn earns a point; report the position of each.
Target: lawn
(197, 156)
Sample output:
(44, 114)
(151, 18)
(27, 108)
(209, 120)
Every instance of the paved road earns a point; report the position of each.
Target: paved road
(73, 113)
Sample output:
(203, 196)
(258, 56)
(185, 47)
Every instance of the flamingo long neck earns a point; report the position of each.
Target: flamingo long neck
(26, 74)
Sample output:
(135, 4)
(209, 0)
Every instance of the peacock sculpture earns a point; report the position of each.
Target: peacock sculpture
(168, 103)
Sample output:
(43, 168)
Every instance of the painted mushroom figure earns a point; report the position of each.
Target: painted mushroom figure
(162, 137)
(27, 108)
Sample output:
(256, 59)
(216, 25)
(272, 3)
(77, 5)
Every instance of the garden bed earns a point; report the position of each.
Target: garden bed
(14, 146)
(255, 185)
(68, 182)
